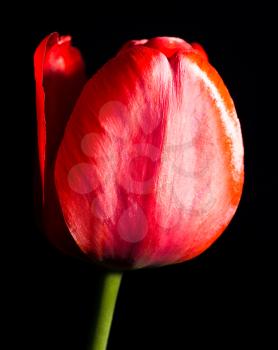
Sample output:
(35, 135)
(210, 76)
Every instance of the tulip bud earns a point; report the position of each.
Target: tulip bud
(149, 170)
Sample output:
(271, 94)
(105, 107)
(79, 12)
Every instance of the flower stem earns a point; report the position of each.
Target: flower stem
(108, 297)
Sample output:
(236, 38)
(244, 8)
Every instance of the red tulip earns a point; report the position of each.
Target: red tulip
(148, 160)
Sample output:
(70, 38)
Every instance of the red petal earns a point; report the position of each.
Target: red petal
(205, 169)
(199, 48)
(168, 45)
(123, 101)
(60, 76)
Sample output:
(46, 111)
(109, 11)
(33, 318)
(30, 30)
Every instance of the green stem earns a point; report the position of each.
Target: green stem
(108, 297)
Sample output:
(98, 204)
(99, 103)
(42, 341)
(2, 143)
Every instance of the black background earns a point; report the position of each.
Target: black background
(225, 297)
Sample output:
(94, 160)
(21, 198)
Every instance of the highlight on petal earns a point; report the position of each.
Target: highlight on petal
(131, 43)
(133, 225)
(60, 77)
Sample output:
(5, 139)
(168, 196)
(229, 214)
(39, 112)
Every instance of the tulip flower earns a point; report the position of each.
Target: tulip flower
(141, 165)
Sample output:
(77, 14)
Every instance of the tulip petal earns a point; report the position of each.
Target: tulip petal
(166, 45)
(201, 172)
(60, 76)
(169, 45)
(199, 48)
(123, 104)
